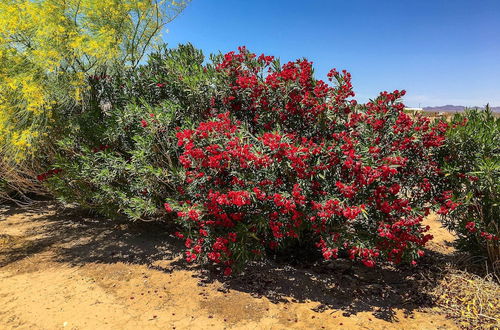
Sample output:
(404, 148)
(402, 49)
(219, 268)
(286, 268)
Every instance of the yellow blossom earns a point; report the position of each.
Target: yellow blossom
(48, 47)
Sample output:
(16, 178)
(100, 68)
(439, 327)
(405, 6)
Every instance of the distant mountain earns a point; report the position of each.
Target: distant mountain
(455, 108)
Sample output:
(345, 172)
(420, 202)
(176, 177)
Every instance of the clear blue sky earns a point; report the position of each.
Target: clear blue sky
(440, 51)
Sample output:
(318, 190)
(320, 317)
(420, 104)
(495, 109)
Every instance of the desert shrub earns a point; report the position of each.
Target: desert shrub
(120, 174)
(288, 158)
(252, 157)
(119, 153)
(471, 161)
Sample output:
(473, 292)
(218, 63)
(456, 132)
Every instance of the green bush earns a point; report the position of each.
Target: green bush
(471, 162)
(119, 152)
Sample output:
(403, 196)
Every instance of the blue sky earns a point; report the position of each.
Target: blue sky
(440, 51)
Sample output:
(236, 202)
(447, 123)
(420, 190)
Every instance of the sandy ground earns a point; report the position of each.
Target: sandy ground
(62, 269)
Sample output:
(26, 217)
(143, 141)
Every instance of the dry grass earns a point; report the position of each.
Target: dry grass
(17, 182)
(473, 301)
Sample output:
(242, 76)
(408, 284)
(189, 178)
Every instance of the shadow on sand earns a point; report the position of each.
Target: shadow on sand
(79, 238)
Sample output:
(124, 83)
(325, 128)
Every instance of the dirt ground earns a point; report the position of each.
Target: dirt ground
(63, 269)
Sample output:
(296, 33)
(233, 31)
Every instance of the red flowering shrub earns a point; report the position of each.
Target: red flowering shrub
(289, 158)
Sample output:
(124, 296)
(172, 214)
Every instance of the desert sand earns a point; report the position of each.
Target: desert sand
(61, 268)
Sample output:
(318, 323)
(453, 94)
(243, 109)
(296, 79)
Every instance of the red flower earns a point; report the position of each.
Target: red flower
(168, 208)
(190, 256)
(368, 263)
(471, 226)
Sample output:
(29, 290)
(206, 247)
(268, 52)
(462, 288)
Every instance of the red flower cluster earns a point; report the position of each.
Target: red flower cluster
(48, 174)
(100, 148)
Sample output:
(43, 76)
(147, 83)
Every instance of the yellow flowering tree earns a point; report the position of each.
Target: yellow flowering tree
(48, 47)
